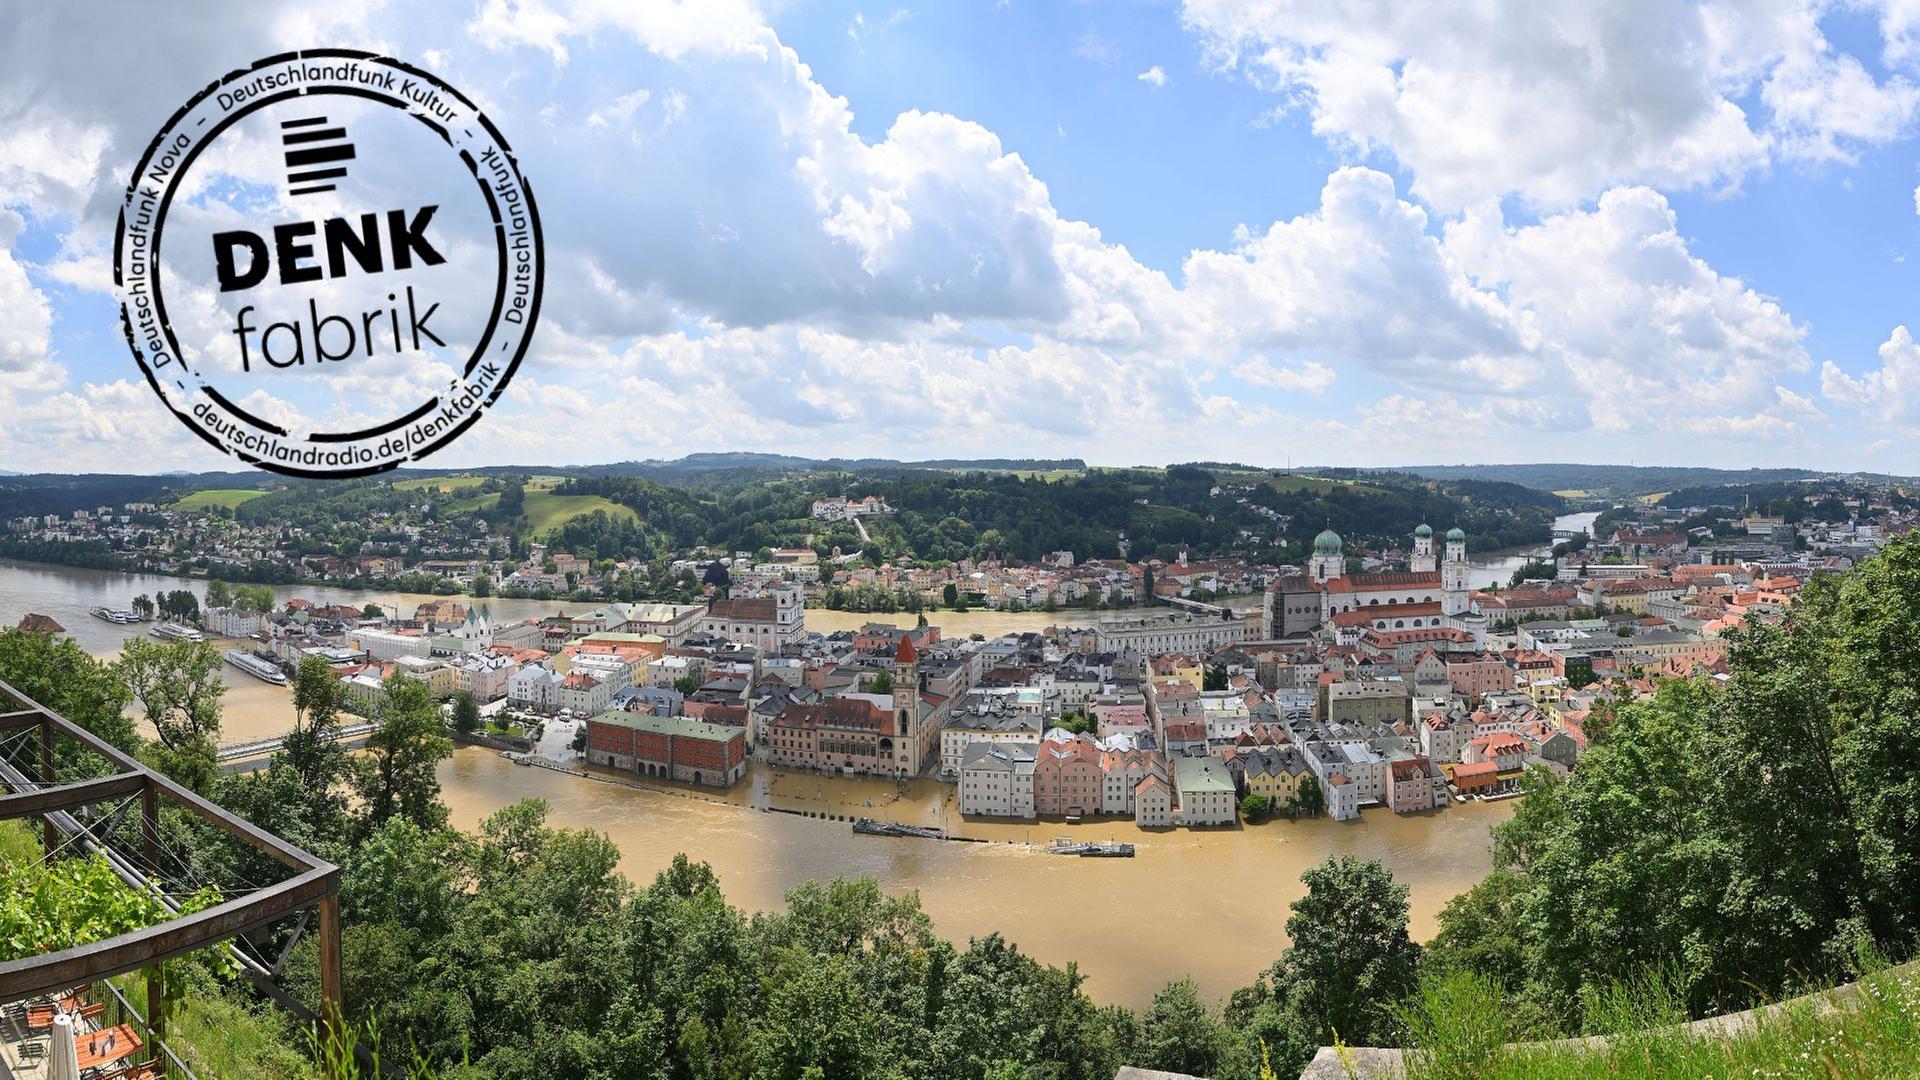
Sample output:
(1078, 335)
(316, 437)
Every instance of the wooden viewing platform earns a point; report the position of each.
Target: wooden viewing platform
(311, 891)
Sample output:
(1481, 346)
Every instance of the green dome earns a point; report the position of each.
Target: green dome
(1423, 530)
(1327, 543)
(1456, 533)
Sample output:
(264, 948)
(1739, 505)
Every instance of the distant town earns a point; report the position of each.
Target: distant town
(1363, 677)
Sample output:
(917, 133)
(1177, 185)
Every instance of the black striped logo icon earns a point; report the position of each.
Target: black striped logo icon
(313, 149)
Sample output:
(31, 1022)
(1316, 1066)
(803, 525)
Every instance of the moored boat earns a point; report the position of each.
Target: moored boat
(170, 631)
(256, 667)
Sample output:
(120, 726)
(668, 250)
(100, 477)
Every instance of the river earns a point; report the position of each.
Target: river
(1497, 567)
(1211, 905)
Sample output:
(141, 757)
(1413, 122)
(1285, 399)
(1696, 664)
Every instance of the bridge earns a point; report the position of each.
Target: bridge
(1197, 607)
(259, 747)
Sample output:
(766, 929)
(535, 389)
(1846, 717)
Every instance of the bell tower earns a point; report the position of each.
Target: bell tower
(1453, 574)
(1422, 560)
(906, 706)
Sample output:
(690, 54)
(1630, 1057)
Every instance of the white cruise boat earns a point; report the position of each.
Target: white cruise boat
(169, 631)
(256, 667)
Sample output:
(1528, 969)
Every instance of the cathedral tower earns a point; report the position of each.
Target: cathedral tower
(1329, 558)
(1453, 574)
(1422, 561)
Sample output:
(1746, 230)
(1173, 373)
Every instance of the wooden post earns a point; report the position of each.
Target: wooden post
(156, 981)
(49, 834)
(332, 997)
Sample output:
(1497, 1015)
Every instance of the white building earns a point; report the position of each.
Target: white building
(1203, 791)
(964, 729)
(534, 687)
(1343, 803)
(1176, 632)
(769, 622)
(389, 644)
(232, 622)
(997, 781)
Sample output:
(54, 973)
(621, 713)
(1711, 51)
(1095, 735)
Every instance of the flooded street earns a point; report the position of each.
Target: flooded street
(1212, 905)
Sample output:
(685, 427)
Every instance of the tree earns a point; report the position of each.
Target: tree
(686, 684)
(1253, 806)
(950, 595)
(179, 605)
(373, 611)
(397, 777)
(482, 586)
(1349, 966)
(466, 713)
(56, 672)
(217, 594)
(143, 606)
(1178, 1032)
(178, 685)
(1308, 796)
(258, 598)
(881, 683)
(1214, 677)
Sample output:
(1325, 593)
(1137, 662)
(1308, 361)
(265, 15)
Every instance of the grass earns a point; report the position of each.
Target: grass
(227, 497)
(1461, 1029)
(218, 1035)
(546, 510)
(445, 485)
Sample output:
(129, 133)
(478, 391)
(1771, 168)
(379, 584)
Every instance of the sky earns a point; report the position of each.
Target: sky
(1343, 232)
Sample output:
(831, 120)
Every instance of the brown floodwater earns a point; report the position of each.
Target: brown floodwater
(1207, 904)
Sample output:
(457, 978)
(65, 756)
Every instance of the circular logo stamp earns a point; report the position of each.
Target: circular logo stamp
(328, 263)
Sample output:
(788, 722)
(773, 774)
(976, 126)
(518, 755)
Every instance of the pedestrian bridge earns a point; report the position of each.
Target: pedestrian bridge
(258, 747)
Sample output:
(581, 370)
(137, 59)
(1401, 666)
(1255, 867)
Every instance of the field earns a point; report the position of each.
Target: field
(227, 497)
(445, 485)
(546, 510)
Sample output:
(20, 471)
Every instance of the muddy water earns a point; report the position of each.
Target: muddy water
(1212, 904)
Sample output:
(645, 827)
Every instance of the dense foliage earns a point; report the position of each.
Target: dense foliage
(1756, 836)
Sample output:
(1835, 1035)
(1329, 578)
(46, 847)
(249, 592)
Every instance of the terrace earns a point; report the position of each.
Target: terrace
(101, 809)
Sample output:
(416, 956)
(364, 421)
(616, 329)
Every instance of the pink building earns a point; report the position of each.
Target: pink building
(1410, 785)
(1067, 778)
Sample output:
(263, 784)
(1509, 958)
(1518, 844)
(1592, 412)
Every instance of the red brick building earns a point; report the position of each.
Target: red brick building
(668, 747)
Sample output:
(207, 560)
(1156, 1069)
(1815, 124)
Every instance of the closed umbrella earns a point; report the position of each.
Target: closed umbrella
(63, 1061)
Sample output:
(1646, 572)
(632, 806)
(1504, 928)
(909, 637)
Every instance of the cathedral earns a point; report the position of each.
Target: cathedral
(1432, 593)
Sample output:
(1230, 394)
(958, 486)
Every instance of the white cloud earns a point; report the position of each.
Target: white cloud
(1311, 377)
(26, 320)
(1557, 102)
(861, 30)
(1643, 328)
(1155, 76)
(1890, 394)
(1360, 280)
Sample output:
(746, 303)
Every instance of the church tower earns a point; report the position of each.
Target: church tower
(1453, 574)
(906, 706)
(1422, 561)
(1329, 558)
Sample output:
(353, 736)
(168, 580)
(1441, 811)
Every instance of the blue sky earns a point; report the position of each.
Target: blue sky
(1262, 230)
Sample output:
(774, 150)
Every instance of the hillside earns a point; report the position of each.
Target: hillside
(943, 510)
(1609, 481)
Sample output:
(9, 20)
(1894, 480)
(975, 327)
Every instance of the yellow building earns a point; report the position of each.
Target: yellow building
(1275, 773)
